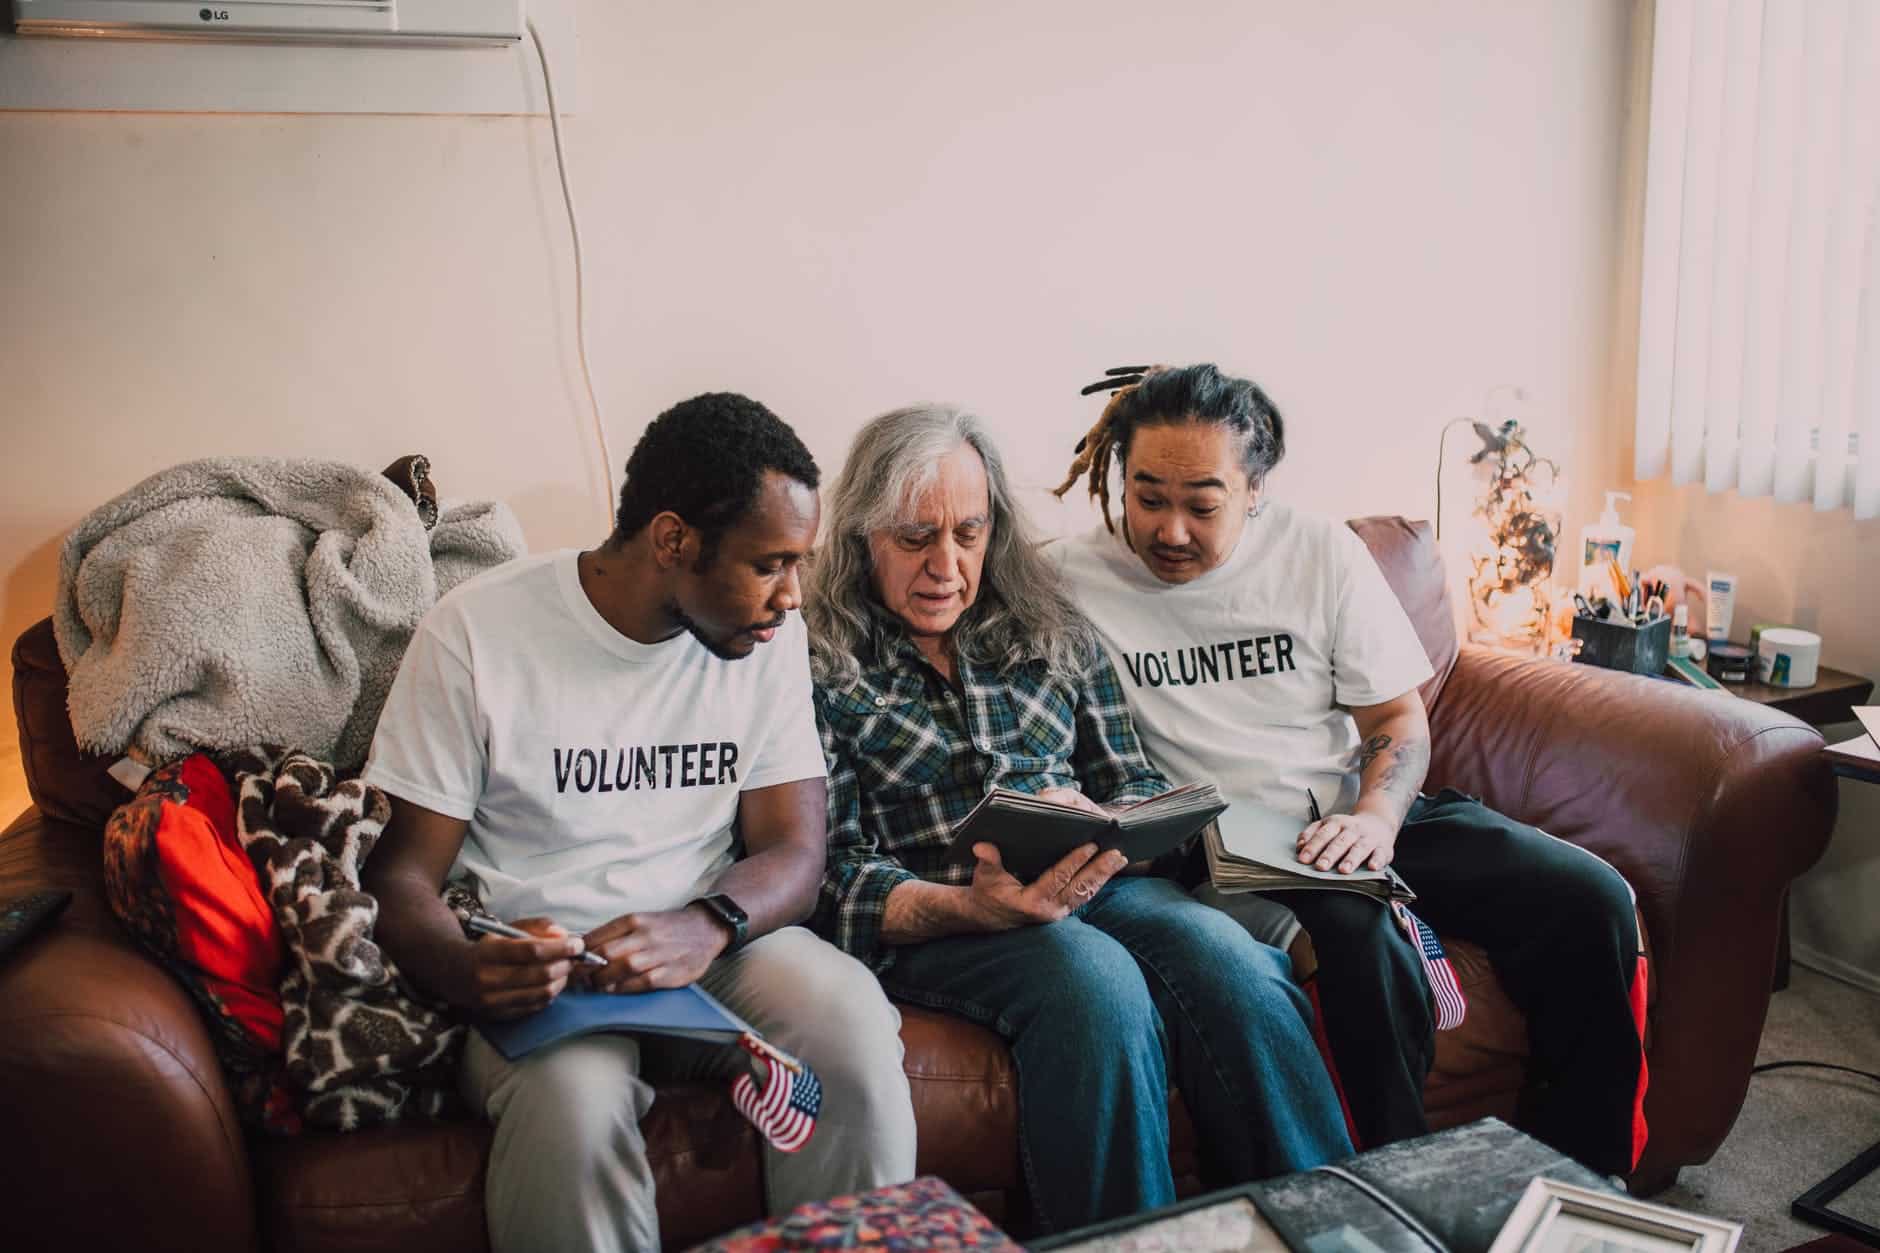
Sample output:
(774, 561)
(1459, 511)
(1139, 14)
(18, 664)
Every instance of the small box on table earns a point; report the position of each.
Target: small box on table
(1617, 644)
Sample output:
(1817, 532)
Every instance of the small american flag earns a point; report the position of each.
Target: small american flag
(785, 1110)
(1451, 1006)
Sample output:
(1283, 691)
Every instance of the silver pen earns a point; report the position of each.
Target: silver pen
(489, 926)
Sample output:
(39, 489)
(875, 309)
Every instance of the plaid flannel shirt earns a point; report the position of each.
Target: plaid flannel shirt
(909, 756)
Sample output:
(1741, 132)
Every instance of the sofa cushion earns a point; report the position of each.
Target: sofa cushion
(420, 1185)
(66, 784)
(965, 1091)
(1479, 1067)
(1406, 552)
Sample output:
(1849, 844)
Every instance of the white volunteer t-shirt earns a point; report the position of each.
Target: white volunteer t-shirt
(599, 775)
(1244, 674)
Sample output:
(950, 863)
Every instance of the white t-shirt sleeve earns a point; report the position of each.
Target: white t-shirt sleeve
(1376, 655)
(429, 748)
(792, 748)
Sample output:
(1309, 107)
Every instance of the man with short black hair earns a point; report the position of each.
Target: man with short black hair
(580, 736)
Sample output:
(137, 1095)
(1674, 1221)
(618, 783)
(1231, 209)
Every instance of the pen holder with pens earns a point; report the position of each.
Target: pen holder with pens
(1617, 644)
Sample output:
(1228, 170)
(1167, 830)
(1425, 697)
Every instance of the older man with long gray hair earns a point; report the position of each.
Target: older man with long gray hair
(948, 662)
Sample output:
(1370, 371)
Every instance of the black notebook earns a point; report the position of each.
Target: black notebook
(1032, 835)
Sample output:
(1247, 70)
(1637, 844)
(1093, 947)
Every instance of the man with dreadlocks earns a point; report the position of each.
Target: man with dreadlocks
(948, 661)
(1262, 649)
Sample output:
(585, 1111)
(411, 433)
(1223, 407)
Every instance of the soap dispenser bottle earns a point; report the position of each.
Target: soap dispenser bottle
(1604, 542)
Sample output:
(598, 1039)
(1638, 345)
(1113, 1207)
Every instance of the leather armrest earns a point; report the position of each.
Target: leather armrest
(119, 1125)
(1708, 804)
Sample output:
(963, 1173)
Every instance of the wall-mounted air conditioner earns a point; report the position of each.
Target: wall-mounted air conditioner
(403, 22)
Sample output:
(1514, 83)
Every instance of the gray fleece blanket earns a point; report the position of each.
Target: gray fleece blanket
(248, 600)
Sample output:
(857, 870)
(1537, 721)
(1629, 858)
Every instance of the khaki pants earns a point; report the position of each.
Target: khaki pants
(568, 1168)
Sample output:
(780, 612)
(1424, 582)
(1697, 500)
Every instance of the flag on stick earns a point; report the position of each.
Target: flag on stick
(785, 1108)
(1451, 1005)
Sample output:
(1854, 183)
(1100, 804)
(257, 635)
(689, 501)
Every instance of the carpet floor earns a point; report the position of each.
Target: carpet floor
(1798, 1125)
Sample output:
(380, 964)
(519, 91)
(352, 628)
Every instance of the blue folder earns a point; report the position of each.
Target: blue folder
(690, 1013)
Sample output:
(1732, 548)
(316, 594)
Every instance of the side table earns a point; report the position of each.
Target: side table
(1850, 761)
(1830, 700)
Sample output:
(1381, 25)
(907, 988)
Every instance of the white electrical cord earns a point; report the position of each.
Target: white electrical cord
(580, 290)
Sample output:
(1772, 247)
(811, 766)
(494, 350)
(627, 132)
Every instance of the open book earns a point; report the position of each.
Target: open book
(1252, 848)
(690, 1013)
(1032, 835)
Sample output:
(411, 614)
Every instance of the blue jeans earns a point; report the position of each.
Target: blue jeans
(1100, 1009)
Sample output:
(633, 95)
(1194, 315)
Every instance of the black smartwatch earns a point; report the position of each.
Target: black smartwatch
(726, 911)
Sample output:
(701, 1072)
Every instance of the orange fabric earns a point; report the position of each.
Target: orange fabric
(224, 926)
(1640, 1132)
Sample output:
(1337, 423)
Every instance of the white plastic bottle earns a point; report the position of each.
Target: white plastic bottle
(1604, 542)
(1720, 605)
(1681, 630)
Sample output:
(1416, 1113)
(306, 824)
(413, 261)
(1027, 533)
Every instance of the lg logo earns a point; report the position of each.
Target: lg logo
(213, 15)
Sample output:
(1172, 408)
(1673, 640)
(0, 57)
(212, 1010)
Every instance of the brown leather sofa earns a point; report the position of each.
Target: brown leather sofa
(120, 1132)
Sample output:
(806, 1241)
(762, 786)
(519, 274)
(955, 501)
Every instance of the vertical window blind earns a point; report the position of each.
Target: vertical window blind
(1759, 316)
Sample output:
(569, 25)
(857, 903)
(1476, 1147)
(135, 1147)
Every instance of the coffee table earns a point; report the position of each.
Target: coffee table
(1454, 1190)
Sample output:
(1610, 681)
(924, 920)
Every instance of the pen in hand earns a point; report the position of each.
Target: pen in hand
(489, 926)
(1312, 815)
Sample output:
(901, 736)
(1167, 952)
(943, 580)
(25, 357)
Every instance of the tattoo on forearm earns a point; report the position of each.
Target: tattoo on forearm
(1406, 768)
(1405, 764)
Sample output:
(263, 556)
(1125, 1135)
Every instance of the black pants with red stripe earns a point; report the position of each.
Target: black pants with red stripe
(1558, 926)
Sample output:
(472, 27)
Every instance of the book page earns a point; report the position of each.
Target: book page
(1861, 747)
(1272, 839)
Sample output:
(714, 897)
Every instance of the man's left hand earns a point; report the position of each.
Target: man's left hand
(664, 949)
(1348, 841)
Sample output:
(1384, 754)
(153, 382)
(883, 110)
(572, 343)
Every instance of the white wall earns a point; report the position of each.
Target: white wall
(1379, 211)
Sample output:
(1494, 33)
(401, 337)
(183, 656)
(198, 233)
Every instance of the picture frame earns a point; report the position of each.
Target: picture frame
(1555, 1217)
(1812, 1205)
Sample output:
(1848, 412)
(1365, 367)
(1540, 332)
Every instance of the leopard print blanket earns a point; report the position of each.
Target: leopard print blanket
(361, 1046)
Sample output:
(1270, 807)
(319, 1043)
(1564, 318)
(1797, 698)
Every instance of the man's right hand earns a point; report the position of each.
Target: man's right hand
(510, 978)
(1001, 902)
